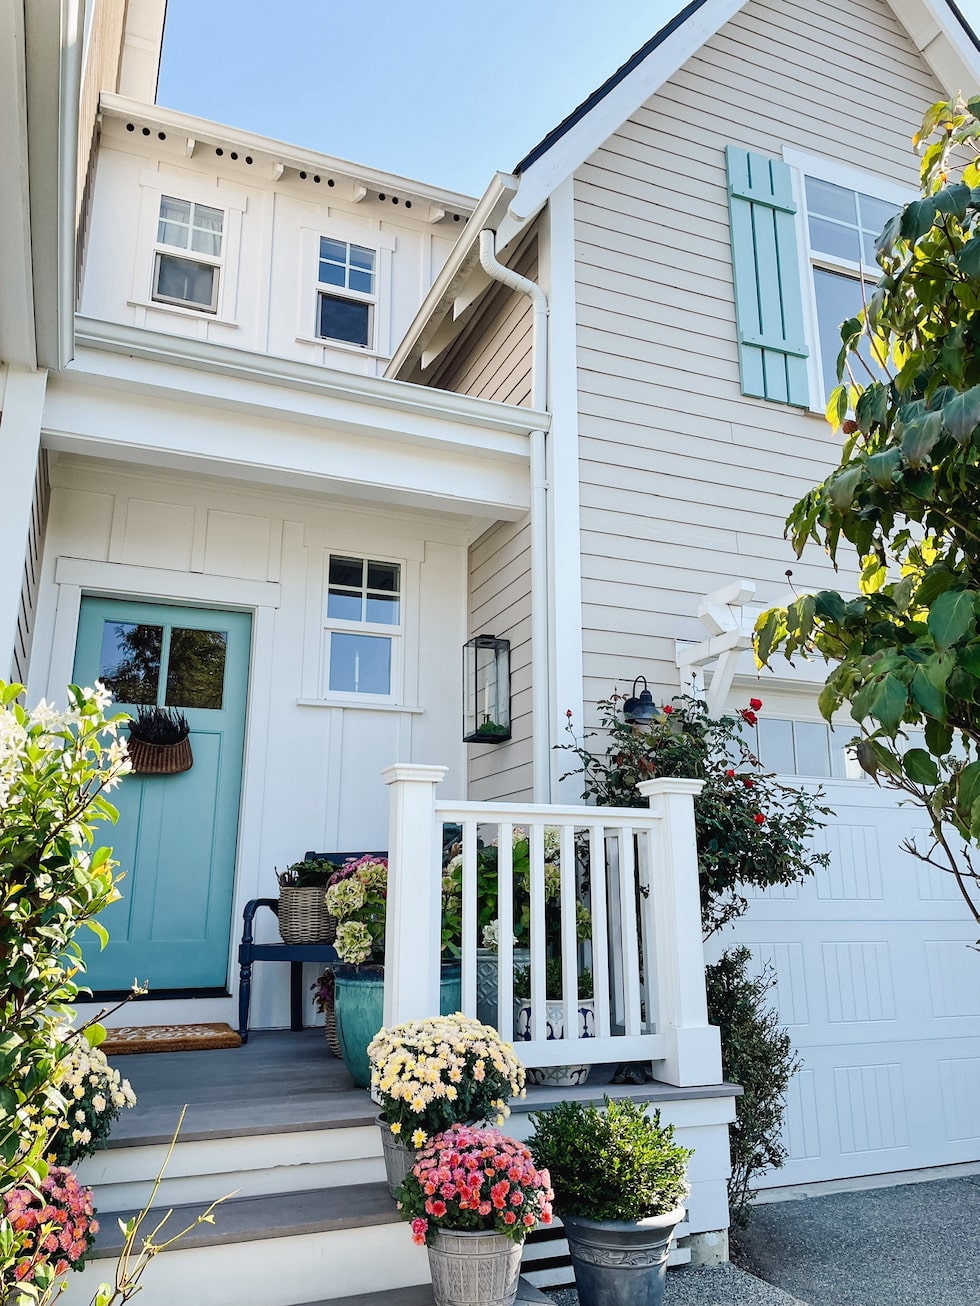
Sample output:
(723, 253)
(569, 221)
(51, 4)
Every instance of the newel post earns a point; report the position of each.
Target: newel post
(413, 921)
(693, 1046)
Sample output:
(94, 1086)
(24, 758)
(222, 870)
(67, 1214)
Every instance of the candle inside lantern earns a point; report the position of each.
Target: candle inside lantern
(486, 700)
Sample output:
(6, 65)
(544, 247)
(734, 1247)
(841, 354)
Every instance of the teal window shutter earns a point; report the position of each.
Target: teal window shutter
(768, 299)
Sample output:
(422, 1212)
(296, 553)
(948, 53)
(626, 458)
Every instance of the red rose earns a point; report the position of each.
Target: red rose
(568, 711)
(759, 818)
(747, 782)
(730, 772)
(748, 716)
(755, 704)
(668, 709)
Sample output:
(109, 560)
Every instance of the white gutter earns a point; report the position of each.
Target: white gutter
(540, 652)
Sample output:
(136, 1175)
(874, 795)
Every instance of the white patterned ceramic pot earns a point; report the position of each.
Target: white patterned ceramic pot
(487, 971)
(556, 1076)
(473, 1268)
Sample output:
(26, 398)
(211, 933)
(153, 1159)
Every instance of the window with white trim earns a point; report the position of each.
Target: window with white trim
(842, 227)
(188, 254)
(346, 298)
(363, 625)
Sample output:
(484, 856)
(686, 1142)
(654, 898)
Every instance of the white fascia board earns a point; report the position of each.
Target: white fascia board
(196, 366)
(134, 420)
(292, 156)
(54, 57)
(463, 258)
(582, 140)
(939, 37)
(17, 340)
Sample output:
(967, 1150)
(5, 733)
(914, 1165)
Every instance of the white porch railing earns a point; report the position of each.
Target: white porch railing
(634, 870)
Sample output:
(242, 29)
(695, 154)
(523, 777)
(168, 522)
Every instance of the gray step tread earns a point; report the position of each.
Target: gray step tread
(421, 1295)
(278, 1215)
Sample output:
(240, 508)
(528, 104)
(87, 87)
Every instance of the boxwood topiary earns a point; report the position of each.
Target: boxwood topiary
(614, 1164)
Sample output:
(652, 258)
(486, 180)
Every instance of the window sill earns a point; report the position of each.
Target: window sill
(195, 314)
(361, 350)
(359, 706)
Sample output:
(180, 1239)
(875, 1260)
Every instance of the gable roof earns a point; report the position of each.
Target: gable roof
(937, 28)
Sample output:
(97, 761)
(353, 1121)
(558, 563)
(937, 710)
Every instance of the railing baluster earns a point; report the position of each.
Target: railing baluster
(505, 930)
(539, 1013)
(600, 927)
(628, 924)
(569, 939)
(468, 998)
(644, 874)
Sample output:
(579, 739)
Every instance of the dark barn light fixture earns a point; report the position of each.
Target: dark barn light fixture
(486, 690)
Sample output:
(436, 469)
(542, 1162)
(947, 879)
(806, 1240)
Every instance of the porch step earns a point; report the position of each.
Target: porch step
(422, 1296)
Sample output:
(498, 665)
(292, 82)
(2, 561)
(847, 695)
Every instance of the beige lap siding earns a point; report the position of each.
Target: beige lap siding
(685, 482)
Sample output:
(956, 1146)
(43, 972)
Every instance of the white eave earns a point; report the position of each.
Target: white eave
(40, 61)
(462, 265)
(273, 158)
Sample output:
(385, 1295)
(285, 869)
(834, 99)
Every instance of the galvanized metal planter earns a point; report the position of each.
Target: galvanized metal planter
(474, 1268)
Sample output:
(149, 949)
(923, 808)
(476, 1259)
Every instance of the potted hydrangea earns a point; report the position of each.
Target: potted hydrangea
(473, 1196)
(620, 1186)
(429, 1074)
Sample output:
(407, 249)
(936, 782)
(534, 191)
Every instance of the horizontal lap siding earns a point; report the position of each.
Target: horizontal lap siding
(685, 482)
(500, 604)
(492, 357)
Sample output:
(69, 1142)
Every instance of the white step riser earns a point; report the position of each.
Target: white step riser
(273, 1271)
(243, 1183)
(258, 1163)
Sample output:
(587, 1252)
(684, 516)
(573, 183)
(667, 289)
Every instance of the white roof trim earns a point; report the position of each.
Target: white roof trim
(933, 28)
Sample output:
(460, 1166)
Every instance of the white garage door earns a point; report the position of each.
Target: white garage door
(880, 991)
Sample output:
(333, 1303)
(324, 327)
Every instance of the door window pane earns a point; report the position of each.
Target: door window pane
(196, 670)
(360, 664)
(129, 664)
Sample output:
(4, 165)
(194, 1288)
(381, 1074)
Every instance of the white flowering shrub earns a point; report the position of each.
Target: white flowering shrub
(96, 1093)
(56, 768)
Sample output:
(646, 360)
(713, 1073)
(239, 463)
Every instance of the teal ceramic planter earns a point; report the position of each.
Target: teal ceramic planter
(360, 1000)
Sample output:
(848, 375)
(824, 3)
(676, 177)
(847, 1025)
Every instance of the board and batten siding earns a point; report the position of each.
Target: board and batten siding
(491, 359)
(686, 483)
(32, 572)
(500, 604)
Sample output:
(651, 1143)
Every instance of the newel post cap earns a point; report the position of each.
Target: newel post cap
(413, 771)
(669, 785)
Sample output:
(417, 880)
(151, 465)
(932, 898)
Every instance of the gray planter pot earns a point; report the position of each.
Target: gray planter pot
(618, 1262)
(399, 1157)
(474, 1268)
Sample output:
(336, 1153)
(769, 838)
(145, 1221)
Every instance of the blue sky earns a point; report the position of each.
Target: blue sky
(444, 91)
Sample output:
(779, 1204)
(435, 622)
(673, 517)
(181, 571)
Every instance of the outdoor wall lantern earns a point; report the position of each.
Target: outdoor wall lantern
(486, 690)
(639, 709)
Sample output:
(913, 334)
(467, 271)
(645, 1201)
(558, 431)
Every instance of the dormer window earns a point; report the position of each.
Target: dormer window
(187, 262)
(346, 292)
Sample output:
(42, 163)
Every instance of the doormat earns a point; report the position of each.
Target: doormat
(169, 1038)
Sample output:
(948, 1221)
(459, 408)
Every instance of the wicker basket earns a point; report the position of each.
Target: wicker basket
(330, 1031)
(160, 759)
(303, 915)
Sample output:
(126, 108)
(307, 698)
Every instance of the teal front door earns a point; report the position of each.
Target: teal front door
(177, 834)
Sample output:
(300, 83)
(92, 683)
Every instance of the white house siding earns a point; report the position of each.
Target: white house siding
(685, 485)
(32, 572)
(267, 300)
(492, 360)
(312, 770)
(685, 482)
(500, 604)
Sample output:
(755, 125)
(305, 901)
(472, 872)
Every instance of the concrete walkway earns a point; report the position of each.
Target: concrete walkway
(912, 1245)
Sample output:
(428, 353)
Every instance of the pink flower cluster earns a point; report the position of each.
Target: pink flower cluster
(55, 1223)
(468, 1178)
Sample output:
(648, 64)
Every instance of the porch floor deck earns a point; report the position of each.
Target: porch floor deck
(287, 1080)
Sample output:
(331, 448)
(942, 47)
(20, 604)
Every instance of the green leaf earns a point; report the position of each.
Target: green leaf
(953, 199)
(828, 700)
(95, 1034)
(951, 616)
(842, 485)
(883, 466)
(926, 696)
(917, 219)
(939, 738)
(961, 415)
(920, 767)
(829, 605)
(968, 259)
(100, 932)
(836, 409)
(968, 788)
(918, 437)
(889, 702)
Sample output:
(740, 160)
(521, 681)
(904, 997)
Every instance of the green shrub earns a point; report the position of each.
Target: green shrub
(616, 1164)
(757, 1054)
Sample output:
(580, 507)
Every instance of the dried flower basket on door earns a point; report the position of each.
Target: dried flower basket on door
(159, 742)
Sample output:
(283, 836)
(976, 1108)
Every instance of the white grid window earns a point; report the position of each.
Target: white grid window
(363, 625)
(187, 261)
(842, 227)
(346, 292)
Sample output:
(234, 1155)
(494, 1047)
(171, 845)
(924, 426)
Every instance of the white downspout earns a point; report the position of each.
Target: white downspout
(540, 653)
